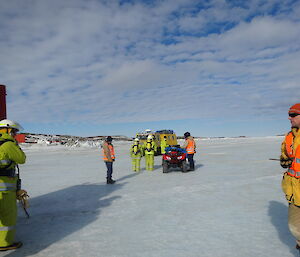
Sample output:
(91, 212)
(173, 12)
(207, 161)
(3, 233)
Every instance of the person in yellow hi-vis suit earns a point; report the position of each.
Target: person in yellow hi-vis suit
(136, 153)
(10, 155)
(163, 145)
(149, 151)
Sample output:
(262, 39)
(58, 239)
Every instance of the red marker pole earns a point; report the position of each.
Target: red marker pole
(2, 102)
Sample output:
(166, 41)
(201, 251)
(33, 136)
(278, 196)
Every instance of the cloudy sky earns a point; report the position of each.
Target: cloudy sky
(100, 67)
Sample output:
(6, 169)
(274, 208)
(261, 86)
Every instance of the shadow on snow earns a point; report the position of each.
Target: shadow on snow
(58, 214)
(279, 218)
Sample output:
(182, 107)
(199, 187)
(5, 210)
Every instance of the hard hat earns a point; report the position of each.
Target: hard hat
(150, 137)
(187, 134)
(136, 139)
(10, 124)
(295, 108)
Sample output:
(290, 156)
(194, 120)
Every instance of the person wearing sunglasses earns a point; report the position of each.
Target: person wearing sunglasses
(290, 160)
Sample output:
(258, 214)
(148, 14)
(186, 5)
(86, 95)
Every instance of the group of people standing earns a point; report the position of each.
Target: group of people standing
(148, 149)
(11, 155)
(138, 150)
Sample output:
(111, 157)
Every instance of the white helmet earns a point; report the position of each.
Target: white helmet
(150, 137)
(10, 124)
(136, 139)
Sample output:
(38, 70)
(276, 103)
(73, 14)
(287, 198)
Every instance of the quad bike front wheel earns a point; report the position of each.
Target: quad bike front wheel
(165, 167)
(184, 167)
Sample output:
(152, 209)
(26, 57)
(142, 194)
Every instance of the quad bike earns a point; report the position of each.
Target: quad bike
(174, 157)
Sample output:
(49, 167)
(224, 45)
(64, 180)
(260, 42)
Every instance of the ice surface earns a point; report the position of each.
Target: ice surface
(231, 205)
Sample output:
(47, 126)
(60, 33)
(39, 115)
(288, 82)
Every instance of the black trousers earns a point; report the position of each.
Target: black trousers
(190, 158)
(109, 166)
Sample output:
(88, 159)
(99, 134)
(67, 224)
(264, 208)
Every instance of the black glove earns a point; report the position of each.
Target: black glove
(285, 163)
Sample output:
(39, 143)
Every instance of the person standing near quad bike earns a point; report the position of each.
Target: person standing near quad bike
(190, 147)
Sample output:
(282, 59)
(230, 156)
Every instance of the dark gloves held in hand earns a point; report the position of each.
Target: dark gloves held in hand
(285, 163)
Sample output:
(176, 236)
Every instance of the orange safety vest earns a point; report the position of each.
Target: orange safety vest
(294, 154)
(112, 152)
(191, 146)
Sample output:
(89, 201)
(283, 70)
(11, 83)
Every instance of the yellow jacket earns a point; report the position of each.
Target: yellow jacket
(150, 147)
(136, 150)
(10, 151)
(163, 145)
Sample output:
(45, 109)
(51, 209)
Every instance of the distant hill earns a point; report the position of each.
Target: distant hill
(67, 139)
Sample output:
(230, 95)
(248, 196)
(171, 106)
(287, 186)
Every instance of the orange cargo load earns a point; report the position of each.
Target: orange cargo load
(20, 138)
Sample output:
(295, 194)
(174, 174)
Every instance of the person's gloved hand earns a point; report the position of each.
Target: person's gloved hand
(285, 162)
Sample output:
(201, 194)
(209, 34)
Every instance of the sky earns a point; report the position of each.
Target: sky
(92, 67)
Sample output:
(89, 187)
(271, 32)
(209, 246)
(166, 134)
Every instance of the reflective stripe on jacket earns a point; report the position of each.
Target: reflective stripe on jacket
(190, 148)
(111, 151)
(8, 186)
(7, 228)
(5, 162)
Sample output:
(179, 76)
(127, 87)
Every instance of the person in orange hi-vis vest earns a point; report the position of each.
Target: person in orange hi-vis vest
(190, 147)
(290, 160)
(108, 153)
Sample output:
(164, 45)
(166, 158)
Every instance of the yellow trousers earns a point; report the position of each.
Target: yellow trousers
(291, 187)
(8, 211)
(149, 161)
(136, 163)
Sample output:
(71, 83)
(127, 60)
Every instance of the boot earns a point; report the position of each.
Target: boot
(192, 168)
(110, 181)
(12, 246)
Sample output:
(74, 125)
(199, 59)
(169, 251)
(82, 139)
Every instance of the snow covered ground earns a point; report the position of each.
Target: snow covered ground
(231, 205)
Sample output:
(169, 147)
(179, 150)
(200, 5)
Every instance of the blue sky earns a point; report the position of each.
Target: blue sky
(92, 67)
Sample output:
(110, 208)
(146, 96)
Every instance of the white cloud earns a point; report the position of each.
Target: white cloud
(261, 33)
(98, 60)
